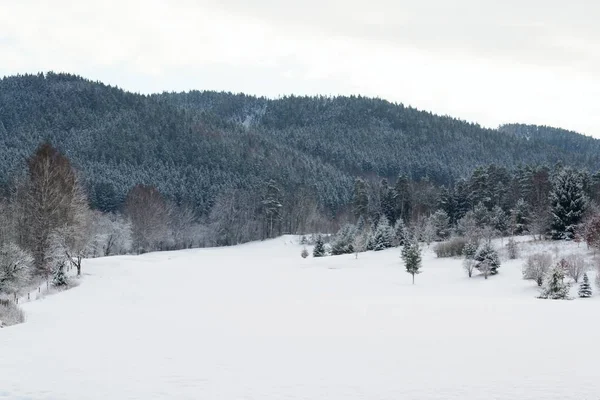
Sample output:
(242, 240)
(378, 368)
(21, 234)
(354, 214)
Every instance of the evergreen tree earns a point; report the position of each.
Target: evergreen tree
(499, 220)
(60, 278)
(360, 200)
(402, 197)
(343, 242)
(461, 200)
(481, 215)
(387, 202)
(520, 217)
(585, 289)
(272, 209)
(400, 232)
(487, 259)
(447, 203)
(554, 286)
(411, 254)
(384, 235)
(319, 249)
(567, 201)
(441, 224)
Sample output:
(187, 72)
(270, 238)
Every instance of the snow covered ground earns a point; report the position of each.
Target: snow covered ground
(258, 322)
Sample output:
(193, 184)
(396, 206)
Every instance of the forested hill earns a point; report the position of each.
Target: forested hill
(194, 146)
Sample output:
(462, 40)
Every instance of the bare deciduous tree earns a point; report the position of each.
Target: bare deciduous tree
(575, 266)
(49, 199)
(149, 215)
(536, 267)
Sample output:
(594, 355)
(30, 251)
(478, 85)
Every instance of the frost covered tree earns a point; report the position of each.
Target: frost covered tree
(400, 232)
(50, 198)
(537, 266)
(15, 268)
(272, 208)
(521, 217)
(499, 220)
(59, 277)
(585, 289)
(384, 235)
(343, 242)
(554, 286)
(304, 253)
(360, 200)
(591, 231)
(411, 254)
(512, 248)
(440, 223)
(575, 266)
(567, 202)
(319, 249)
(469, 252)
(487, 259)
(148, 212)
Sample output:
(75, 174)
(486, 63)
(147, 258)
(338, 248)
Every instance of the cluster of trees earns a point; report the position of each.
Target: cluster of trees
(550, 273)
(249, 168)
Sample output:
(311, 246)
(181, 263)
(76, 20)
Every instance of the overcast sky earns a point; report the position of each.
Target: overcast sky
(492, 62)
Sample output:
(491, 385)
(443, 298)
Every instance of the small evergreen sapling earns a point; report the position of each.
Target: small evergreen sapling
(554, 286)
(319, 250)
(60, 277)
(411, 254)
(487, 260)
(585, 289)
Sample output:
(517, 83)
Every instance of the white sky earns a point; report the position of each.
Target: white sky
(493, 62)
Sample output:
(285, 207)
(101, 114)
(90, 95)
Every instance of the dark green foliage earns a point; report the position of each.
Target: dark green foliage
(585, 289)
(319, 249)
(360, 199)
(487, 257)
(554, 286)
(60, 278)
(521, 217)
(343, 243)
(411, 254)
(567, 201)
(383, 237)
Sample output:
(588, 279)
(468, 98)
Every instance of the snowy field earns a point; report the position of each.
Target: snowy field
(258, 322)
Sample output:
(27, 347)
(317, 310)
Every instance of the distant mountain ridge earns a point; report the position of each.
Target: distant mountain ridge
(194, 145)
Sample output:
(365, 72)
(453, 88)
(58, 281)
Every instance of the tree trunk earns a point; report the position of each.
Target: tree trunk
(413, 275)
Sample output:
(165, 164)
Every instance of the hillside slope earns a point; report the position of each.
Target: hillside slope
(195, 145)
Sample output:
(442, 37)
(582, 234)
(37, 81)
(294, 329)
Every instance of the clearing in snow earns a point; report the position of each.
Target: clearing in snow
(258, 322)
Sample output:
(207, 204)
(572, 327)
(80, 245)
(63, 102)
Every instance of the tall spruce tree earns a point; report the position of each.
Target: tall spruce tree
(384, 235)
(554, 286)
(360, 199)
(520, 217)
(567, 202)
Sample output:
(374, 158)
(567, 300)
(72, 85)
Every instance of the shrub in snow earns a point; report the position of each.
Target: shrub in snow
(10, 314)
(384, 235)
(452, 248)
(304, 253)
(319, 249)
(343, 242)
(411, 254)
(585, 289)
(512, 249)
(575, 266)
(554, 286)
(60, 278)
(536, 267)
(15, 268)
(487, 260)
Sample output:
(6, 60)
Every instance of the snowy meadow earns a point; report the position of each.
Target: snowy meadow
(257, 321)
